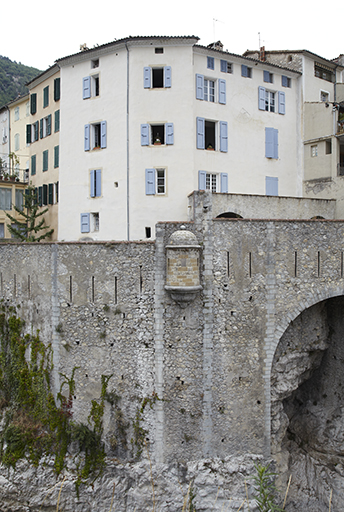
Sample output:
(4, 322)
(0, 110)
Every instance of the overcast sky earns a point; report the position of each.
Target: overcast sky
(38, 32)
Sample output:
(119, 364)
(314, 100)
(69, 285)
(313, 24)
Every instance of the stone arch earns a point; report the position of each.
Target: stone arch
(272, 340)
(229, 215)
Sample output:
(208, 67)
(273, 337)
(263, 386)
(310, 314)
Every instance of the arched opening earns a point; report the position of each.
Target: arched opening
(317, 217)
(229, 215)
(307, 407)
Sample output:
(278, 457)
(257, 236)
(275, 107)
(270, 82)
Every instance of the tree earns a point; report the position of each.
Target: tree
(31, 228)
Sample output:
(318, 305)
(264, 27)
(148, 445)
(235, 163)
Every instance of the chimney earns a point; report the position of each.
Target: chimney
(262, 54)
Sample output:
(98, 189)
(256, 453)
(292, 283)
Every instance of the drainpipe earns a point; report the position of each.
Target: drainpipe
(127, 115)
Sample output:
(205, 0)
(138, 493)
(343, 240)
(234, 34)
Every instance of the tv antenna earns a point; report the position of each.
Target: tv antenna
(214, 21)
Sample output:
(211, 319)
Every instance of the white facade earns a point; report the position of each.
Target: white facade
(122, 95)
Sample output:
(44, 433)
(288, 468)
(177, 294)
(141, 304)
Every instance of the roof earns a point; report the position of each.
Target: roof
(43, 76)
(304, 52)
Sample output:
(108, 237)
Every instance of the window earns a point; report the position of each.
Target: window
(56, 156)
(246, 71)
(210, 63)
(267, 100)
(157, 134)
(314, 150)
(328, 147)
(19, 198)
(209, 90)
(226, 67)
(157, 77)
(45, 195)
(271, 143)
(155, 181)
(32, 132)
(95, 63)
(323, 72)
(286, 81)
(95, 136)
(205, 89)
(45, 127)
(27, 106)
(85, 222)
(148, 232)
(90, 87)
(46, 96)
(16, 142)
(95, 221)
(40, 196)
(57, 121)
(324, 96)
(45, 160)
(213, 182)
(2, 230)
(207, 136)
(33, 103)
(268, 77)
(33, 165)
(51, 193)
(159, 50)
(5, 198)
(95, 183)
(57, 192)
(16, 114)
(271, 186)
(57, 89)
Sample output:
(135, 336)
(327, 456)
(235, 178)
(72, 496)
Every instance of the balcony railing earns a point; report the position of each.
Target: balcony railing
(21, 175)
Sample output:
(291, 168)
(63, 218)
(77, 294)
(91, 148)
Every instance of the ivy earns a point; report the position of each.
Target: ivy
(139, 434)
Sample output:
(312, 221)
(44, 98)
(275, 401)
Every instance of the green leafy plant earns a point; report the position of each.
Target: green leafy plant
(265, 490)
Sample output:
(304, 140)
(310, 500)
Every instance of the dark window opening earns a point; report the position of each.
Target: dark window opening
(95, 63)
(96, 135)
(148, 232)
(209, 135)
(158, 134)
(96, 86)
(229, 215)
(328, 147)
(158, 77)
(323, 73)
(159, 50)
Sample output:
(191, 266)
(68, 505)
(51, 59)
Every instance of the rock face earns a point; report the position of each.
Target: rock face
(307, 407)
(213, 484)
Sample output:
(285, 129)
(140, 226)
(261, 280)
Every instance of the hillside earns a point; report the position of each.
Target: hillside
(13, 77)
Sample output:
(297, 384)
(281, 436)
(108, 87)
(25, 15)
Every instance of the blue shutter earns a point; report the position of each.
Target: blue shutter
(98, 182)
(169, 133)
(85, 222)
(150, 182)
(266, 76)
(224, 182)
(223, 64)
(49, 125)
(147, 78)
(167, 76)
(271, 186)
(222, 91)
(199, 87)
(144, 134)
(281, 102)
(210, 63)
(243, 70)
(103, 134)
(261, 98)
(200, 133)
(202, 180)
(86, 87)
(224, 136)
(87, 144)
(284, 81)
(93, 183)
(271, 143)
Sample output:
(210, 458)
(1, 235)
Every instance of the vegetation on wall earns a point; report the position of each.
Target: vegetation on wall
(13, 77)
(34, 424)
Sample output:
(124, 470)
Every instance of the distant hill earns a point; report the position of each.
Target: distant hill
(13, 76)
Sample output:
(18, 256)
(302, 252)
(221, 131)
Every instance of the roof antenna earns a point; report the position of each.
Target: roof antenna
(214, 21)
(259, 39)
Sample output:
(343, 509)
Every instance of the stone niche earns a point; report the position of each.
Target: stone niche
(183, 267)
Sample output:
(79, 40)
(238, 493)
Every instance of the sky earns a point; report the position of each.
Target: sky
(36, 33)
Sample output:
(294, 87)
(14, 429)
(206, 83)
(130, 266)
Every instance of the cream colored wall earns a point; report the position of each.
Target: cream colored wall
(19, 128)
(47, 143)
(3, 217)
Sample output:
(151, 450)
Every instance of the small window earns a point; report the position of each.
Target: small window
(57, 89)
(16, 114)
(209, 90)
(95, 63)
(95, 221)
(27, 109)
(211, 182)
(155, 181)
(210, 135)
(328, 147)
(159, 50)
(2, 230)
(269, 101)
(95, 85)
(324, 96)
(314, 150)
(268, 77)
(286, 81)
(33, 103)
(210, 63)
(95, 136)
(157, 78)
(16, 142)
(158, 134)
(246, 72)
(226, 67)
(148, 231)
(160, 181)
(46, 96)
(95, 183)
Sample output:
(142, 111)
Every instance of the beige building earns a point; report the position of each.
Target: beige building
(42, 136)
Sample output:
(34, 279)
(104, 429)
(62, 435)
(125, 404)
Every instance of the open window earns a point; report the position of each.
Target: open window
(157, 134)
(209, 132)
(95, 136)
(157, 77)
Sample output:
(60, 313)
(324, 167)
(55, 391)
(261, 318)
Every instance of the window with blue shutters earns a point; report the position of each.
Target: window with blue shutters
(157, 77)
(268, 77)
(226, 67)
(33, 165)
(206, 134)
(155, 181)
(213, 182)
(224, 136)
(200, 127)
(271, 143)
(95, 136)
(224, 183)
(157, 134)
(206, 89)
(90, 87)
(85, 222)
(46, 96)
(246, 72)
(271, 186)
(281, 102)
(222, 91)
(286, 81)
(150, 181)
(210, 63)
(95, 182)
(267, 100)
(199, 87)
(45, 160)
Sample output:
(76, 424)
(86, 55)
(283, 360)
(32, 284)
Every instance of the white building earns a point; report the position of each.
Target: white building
(147, 120)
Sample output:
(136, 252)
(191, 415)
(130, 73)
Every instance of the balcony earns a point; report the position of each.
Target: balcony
(19, 176)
